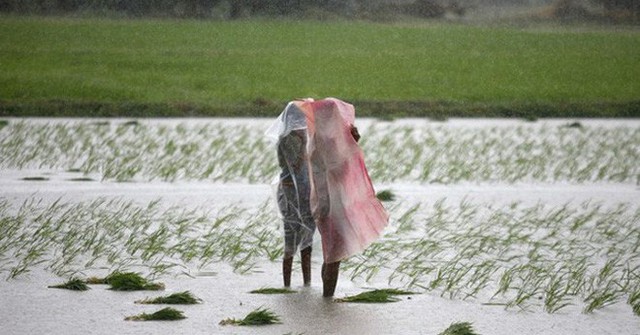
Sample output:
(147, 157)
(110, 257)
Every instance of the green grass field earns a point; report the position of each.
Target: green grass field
(214, 64)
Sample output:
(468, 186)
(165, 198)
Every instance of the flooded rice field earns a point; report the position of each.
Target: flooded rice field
(517, 227)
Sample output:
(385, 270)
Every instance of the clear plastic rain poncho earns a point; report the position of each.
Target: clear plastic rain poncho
(294, 189)
(340, 195)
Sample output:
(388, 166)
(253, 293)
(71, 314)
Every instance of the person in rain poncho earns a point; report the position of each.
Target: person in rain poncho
(342, 200)
(294, 189)
(347, 212)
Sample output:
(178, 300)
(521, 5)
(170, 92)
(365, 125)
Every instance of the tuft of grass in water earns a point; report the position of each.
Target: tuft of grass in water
(260, 316)
(271, 290)
(386, 195)
(3, 123)
(105, 280)
(180, 298)
(73, 284)
(375, 296)
(131, 281)
(165, 314)
(35, 178)
(459, 328)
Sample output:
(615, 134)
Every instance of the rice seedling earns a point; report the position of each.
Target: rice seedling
(165, 314)
(180, 298)
(258, 317)
(374, 296)
(272, 290)
(459, 328)
(556, 297)
(131, 281)
(73, 284)
(600, 299)
(386, 195)
(405, 221)
(634, 301)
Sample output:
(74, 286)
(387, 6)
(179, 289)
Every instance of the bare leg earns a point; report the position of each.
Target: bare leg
(329, 278)
(305, 255)
(287, 263)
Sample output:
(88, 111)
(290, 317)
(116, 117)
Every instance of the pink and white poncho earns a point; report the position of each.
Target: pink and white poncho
(343, 201)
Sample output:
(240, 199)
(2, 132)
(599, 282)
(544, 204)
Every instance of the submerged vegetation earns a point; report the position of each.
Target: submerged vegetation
(386, 195)
(180, 298)
(258, 317)
(459, 328)
(73, 284)
(165, 314)
(272, 290)
(514, 256)
(131, 281)
(430, 153)
(375, 296)
(120, 235)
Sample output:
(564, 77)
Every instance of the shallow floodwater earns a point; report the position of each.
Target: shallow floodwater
(27, 306)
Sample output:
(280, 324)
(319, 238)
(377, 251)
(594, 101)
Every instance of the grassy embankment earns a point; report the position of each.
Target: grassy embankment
(92, 67)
